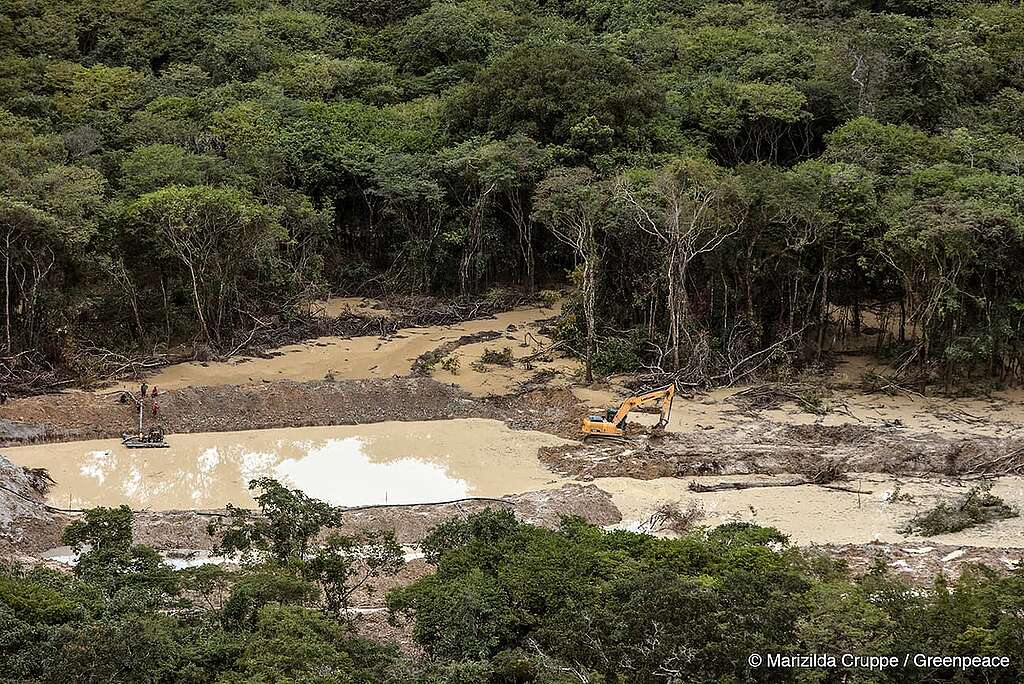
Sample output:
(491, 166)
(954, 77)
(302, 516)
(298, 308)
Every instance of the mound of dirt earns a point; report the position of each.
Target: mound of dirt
(26, 523)
(18, 432)
(772, 448)
(75, 416)
(555, 410)
(546, 508)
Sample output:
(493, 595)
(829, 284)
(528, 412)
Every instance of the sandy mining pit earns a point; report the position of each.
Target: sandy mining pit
(380, 421)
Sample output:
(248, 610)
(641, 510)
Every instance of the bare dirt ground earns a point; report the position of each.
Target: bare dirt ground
(930, 446)
(77, 416)
(771, 447)
(83, 415)
(384, 354)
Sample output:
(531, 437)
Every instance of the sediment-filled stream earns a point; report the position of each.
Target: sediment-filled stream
(371, 356)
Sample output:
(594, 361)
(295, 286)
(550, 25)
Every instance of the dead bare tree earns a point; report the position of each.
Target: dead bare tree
(691, 208)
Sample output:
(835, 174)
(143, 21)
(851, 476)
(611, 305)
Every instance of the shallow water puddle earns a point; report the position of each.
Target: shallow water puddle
(393, 462)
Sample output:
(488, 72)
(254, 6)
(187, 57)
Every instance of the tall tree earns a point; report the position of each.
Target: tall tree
(572, 202)
(690, 207)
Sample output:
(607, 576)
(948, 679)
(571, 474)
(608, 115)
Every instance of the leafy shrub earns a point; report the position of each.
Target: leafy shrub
(501, 297)
(427, 361)
(976, 507)
(498, 358)
(549, 297)
(620, 354)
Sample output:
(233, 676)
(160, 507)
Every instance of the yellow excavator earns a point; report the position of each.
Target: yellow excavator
(613, 423)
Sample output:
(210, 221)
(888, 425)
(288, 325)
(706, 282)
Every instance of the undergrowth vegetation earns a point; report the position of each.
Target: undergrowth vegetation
(978, 506)
(504, 601)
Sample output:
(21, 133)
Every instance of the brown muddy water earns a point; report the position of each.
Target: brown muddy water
(432, 461)
(374, 357)
(391, 462)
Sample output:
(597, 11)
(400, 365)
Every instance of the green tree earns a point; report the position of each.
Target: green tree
(543, 91)
(571, 204)
(221, 237)
(109, 559)
(295, 536)
(690, 207)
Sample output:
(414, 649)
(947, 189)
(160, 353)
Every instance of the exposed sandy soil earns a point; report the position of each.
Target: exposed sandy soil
(350, 358)
(734, 433)
(1000, 414)
(531, 365)
(359, 306)
(811, 514)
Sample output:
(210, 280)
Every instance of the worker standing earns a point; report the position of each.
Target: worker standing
(142, 390)
(156, 409)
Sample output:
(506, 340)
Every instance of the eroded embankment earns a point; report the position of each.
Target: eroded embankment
(82, 415)
(769, 447)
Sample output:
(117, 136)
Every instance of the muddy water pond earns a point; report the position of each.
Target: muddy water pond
(391, 462)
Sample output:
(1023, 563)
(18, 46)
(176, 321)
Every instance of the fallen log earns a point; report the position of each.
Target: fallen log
(727, 486)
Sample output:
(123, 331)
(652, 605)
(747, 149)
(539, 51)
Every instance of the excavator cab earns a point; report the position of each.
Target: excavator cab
(604, 425)
(613, 423)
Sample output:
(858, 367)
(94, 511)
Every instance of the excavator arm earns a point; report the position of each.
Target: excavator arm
(614, 424)
(664, 393)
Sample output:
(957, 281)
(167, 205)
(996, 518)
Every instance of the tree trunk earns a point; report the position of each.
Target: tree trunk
(824, 310)
(167, 311)
(589, 314)
(7, 293)
(524, 226)
(673, 309)
(903, 321)
(198, 303)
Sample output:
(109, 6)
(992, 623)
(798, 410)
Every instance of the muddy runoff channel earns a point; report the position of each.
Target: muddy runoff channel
(370, 357)
(428, 462)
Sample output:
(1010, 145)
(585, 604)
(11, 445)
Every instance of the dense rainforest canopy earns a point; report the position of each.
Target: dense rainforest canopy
(717, 179)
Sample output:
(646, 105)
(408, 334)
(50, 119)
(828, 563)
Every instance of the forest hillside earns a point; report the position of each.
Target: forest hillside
(713, 179)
